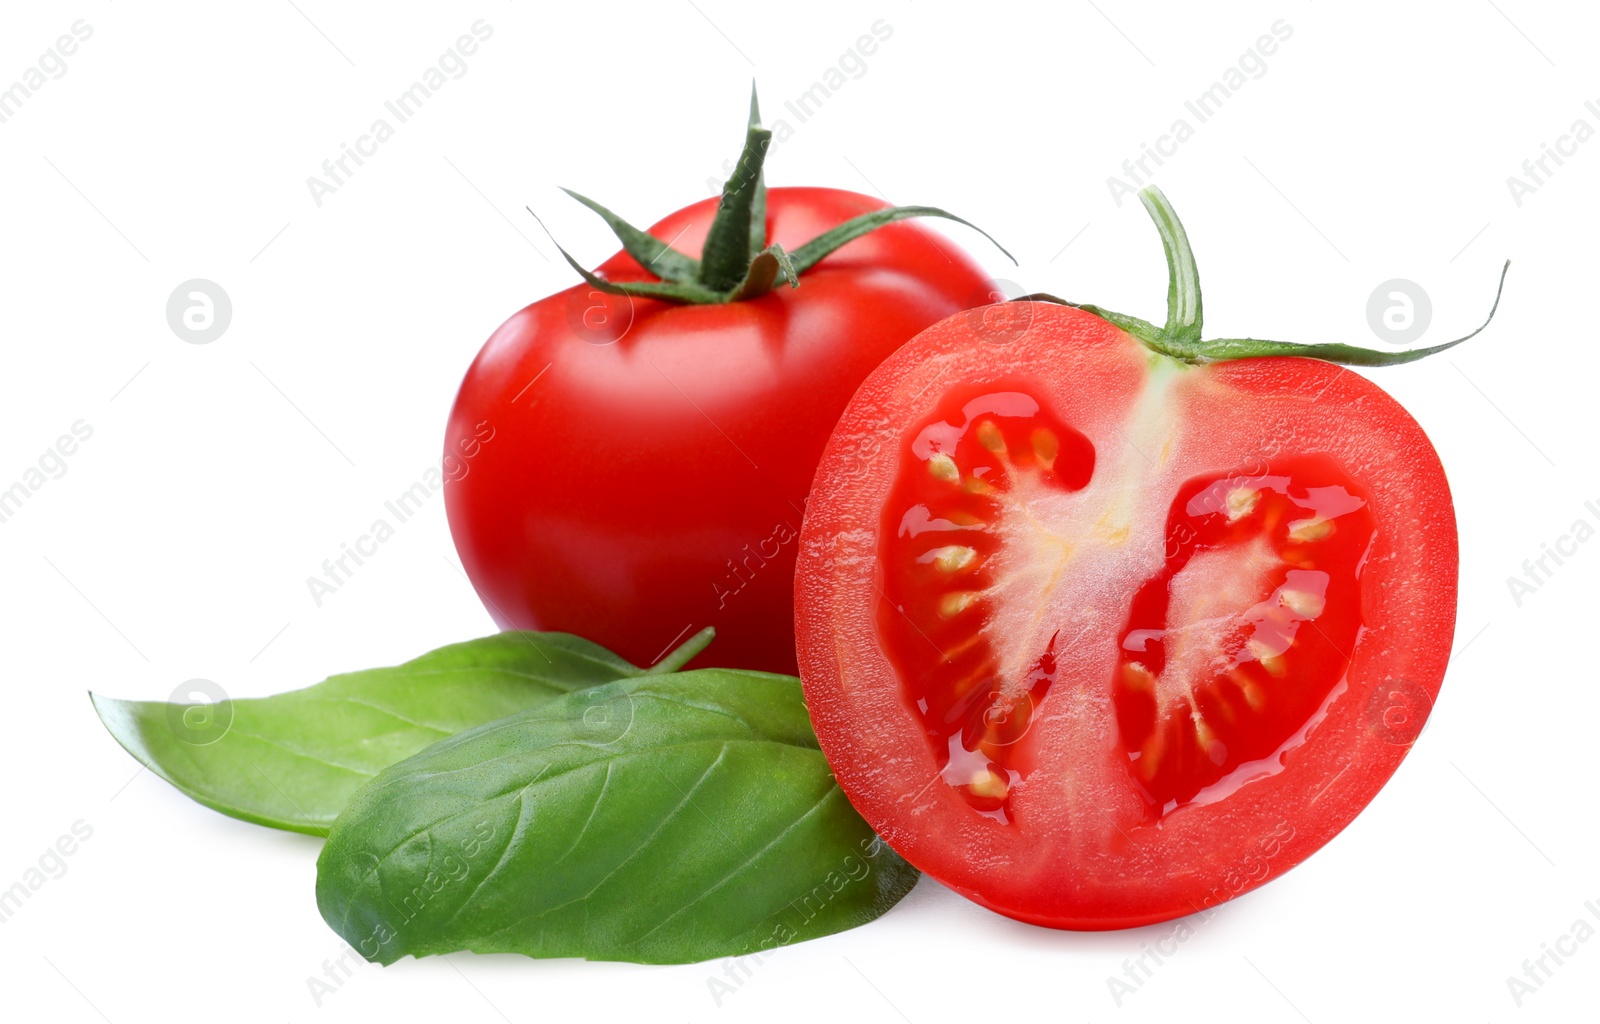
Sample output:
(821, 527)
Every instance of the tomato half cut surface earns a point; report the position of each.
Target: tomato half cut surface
(1100, 636)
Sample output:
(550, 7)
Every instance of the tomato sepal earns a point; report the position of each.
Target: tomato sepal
(810, 254)
(1180, 337)
(730, 242)
(735, 263)
(770, 266)
(651, 252)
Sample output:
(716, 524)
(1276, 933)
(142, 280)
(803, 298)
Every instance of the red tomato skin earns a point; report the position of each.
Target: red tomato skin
(630, 491)
(1060, 863)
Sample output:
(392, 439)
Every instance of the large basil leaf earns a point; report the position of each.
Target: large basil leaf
(291, 761)
(660, 820)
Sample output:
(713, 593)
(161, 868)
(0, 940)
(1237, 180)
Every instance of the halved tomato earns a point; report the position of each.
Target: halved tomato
(1101, 624)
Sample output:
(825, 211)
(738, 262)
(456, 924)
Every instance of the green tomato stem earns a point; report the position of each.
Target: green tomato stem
(1183, 277)
(736, 263)
(1180, 337)
(681, 655)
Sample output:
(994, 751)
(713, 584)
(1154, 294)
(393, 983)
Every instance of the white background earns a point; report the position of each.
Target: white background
(1377, 145)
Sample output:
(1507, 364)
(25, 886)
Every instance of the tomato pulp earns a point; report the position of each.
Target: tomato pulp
(650, 460)
(1098, 635)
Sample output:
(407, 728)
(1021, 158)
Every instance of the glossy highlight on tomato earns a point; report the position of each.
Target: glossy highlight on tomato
(1099, 635)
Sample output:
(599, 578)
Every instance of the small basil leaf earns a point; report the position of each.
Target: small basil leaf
(666, 819)
(291, 761)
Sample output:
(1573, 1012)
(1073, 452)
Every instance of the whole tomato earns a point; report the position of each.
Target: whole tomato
(653, 433)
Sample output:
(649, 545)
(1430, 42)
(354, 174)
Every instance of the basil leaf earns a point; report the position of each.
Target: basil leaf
(292, 761)
(660, 820)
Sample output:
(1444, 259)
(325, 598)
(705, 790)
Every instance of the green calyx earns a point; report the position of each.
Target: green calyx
(736, 262)
(1180, 337)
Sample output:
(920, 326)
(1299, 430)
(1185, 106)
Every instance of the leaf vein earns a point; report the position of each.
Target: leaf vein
(745, 864)
(651, 838)
(604, 783)
(363, 772)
